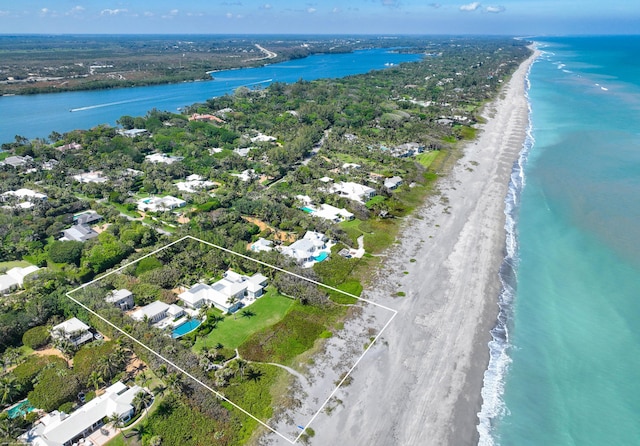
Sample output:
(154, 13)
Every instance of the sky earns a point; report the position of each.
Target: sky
(512, 17)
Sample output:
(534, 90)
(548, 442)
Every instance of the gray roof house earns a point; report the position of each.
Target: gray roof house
(86, 217)
(78, 233)
(122, 299)
(393, 183)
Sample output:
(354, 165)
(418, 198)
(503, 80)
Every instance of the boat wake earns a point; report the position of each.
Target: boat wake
(109, 104)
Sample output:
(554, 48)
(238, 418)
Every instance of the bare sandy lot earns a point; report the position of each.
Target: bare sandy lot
(421, 384)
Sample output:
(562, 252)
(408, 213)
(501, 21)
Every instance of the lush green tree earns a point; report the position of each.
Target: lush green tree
(36, 337)
(55, 386)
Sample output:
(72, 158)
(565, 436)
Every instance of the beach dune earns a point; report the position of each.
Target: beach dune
(421, 384)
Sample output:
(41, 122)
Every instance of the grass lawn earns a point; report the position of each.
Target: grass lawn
(235, 329)
(428, 157)
(123, 209)
(13, 264)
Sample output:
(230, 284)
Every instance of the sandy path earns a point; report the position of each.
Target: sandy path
(422, 386)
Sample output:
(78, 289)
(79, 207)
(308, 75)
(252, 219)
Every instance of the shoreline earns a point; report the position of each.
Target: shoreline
(424, 377)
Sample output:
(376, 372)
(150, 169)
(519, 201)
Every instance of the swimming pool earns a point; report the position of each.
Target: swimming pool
(186, 327)
(322, 256)
(20, 409)
(308, 210)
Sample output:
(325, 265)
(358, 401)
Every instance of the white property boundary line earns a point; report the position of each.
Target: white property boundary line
(180, 369)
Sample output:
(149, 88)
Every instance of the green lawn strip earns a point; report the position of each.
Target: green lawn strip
(427, 158)
(235, 329)
(13, 264)
(293, 335)
(352, 228)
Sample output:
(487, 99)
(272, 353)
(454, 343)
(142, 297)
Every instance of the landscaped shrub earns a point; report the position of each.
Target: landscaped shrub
(26, 372)
(56, 386)
(36, 337)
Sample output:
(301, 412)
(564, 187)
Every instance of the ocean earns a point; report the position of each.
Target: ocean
(565, 358)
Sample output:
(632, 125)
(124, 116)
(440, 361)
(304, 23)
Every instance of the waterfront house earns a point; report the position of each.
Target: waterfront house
(308, 250)
(153, 312)
(59, 429)
(393, 183)
(162, 158)
(353, 191)
(227, 294)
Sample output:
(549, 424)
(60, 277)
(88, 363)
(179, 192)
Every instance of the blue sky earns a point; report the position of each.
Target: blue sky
(515, 17)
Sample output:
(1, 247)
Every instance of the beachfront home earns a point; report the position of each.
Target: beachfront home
(60, 429)
(308, 250)
(74, 331)
(332, 213)
(70, 146)
(227, 294)
(160, 204)
(393, 183)
(205, 118)
(353, 191)
(14, 278)
(153, 312)
(122, 299)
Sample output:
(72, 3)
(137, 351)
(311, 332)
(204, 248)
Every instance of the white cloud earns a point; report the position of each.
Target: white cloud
(149, 14)
(434, 5)
(470, 7)
(391, 3)
(113, 11)
(229, 15)
(495, 9)
(266, 6)
(311, 10)
(75, 10)
(336, 10)
(4, 13)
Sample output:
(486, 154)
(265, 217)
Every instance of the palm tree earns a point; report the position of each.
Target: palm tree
(115, 420)
(9, 388)
(162, 371)
(141, 400)
(95, 379)
(174, 382)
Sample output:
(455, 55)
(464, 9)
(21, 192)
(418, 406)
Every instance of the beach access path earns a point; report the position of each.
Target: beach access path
(421, 384)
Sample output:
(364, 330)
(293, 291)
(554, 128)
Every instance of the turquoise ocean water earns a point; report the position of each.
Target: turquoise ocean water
(565, 364)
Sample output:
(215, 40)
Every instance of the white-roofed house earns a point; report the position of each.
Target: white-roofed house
(308, 250)
(158, 204)
(353, 191)
(122, 299)
(332, 213)
(14, 278)
(74, 331)
(227, 294)
(153, 312)
(262, 245)
(60, 429)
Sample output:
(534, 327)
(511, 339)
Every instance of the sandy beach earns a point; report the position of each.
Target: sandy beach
(421, 384)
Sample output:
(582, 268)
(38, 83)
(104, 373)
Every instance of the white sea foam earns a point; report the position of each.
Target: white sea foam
(493, 405)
